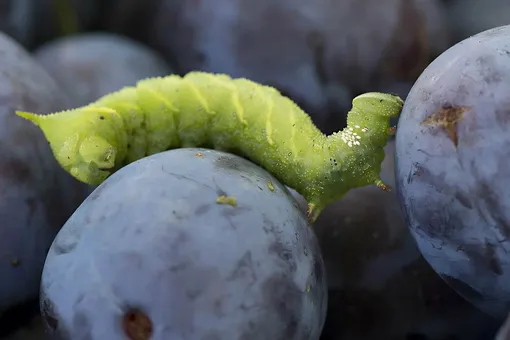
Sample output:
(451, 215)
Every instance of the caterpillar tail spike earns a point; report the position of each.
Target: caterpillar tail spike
(33, 117)
(219, 112)
(79, 145)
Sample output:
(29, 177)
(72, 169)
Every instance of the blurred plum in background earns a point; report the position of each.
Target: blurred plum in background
(36, 195)
(88, 66)
(320, 53)
(469, 17)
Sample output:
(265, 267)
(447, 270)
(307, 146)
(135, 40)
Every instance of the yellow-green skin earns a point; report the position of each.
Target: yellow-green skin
(233, 115)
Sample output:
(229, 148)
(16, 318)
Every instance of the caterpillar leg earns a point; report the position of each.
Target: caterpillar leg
(381, 185)
(312, 213)
(392, 131)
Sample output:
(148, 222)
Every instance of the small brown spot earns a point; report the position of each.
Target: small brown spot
(198, 154)
(137, 325)
(101, 117)
(447, 118)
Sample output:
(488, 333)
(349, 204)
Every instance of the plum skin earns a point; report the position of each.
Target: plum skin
(115, 62)
(152, 238)
(452, 172)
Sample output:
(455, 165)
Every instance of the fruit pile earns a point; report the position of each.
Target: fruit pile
(150, 254)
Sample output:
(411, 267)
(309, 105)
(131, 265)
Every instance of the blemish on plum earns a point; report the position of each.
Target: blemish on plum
(61, 248)
(447, 118)
(489, 71)
(202, 209)
(193, 294)
(48, 313)
(491, 255)
(82, 325)
(493, 206)
(284, 253)
(97, 192)
(218, 307)
(137, 325)
(229, 163)
(285, 298)
(244, 269)
(318, 273)
(228, 213)
(416, 170)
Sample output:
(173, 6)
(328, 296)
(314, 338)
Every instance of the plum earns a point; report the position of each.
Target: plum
(452, 168)
(36, 195)
(91, 65)
(186, 244)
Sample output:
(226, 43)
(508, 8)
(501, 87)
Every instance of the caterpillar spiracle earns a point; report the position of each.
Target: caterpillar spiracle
(235, 115)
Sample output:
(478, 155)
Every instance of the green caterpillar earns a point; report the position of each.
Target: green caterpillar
(234, 115)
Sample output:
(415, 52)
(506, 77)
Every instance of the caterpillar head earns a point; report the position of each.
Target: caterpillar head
(355, 154)
(376, 104)
(88, 142)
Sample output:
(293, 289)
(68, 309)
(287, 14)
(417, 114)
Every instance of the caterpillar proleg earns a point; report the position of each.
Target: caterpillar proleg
(234, 115)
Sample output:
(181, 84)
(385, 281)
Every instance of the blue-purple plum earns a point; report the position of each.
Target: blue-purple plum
(453, 167)
(91, 65)
(36, 195)
(151, 254)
